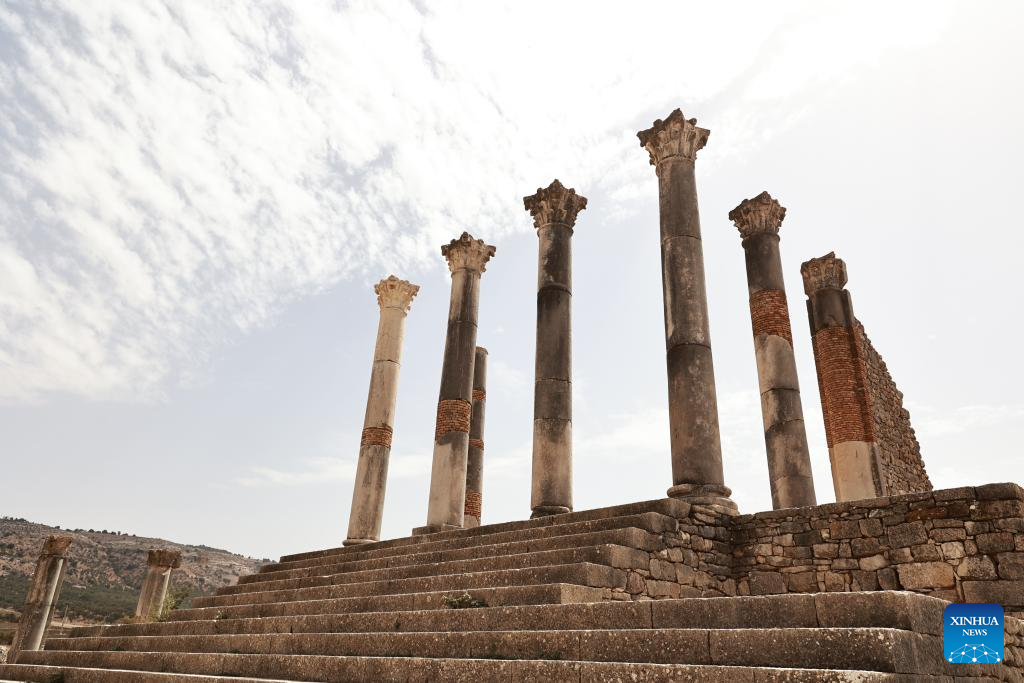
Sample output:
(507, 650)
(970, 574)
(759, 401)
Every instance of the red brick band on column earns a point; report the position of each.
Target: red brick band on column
(476, 443)
(376, 436)
(769, 314)
(479, 395)
(842, 381)
(474, 504)
(453, 415)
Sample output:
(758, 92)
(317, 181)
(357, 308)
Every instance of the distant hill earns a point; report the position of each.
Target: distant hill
(106, 569)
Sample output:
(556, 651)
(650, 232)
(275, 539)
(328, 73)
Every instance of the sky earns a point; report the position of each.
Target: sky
(196, 199)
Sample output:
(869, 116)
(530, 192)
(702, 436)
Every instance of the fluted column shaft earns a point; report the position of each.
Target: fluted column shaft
(446, 507)
(554, 210)
(475, 462)
(785, 436)
(42, 597)
(394, 297)
(161, 563)
(693, 404)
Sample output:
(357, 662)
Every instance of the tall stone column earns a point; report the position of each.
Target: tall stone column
(467, 258)
(475, 463)
(42, 596)
(394, 296)
(692, 403)
(554, 210)
(785, 438)
(154, 587)
(842, 380)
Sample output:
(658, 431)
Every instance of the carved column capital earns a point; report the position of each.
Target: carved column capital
(554, 204)
(824, 272)
(164, 558)
(395, 293)
(676, 136)
(760, 215)
(468, 253)
(56, 546)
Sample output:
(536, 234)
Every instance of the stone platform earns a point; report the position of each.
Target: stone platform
(655, 591)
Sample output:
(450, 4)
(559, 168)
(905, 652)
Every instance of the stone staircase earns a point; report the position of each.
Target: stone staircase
(551, 599)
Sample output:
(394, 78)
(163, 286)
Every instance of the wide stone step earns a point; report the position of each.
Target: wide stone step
(621, 556)
(386, 670)
(613, 530)
(894, 610)
(583, 574)
(666, 506)
(540, 594)
(654, 521)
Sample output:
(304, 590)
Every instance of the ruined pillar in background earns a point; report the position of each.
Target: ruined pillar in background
(785, 437)
(42, 597)
(871, 444)
(554, 210)
(467, 258)
(475, 462)
(394, 296)
(692, 403)
(154, 587)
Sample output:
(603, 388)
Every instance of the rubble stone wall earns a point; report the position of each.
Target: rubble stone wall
(902, 468)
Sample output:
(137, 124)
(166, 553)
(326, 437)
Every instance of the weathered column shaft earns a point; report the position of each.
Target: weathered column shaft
(154, 587)
(554, 210)
(842, 381)
(394, 297)
(446, 508)
(42, 597)
(475, 462)
(785, 436)
(693, 405)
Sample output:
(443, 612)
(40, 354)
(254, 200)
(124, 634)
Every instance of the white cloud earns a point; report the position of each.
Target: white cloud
(323, 470)
(174, 174)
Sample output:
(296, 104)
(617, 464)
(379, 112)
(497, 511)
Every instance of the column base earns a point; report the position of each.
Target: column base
(434, 528)
(546, 510)
(359, 541)
(715, 496)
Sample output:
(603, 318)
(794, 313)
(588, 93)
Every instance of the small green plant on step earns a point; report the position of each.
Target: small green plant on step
(463, 601)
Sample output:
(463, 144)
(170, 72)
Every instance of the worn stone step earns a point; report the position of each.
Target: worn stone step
(654, 521)
(386, 670)
(623, 557)
(583, 574)
(895, 610)
(666, 506)
(615, 530)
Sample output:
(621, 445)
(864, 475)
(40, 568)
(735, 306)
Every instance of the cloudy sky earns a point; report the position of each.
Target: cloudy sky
(197, 197)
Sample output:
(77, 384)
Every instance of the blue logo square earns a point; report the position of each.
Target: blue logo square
(972, 633)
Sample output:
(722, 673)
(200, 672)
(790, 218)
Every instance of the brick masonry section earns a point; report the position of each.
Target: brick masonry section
(769, 314)
(476, 443)
(376, 436)
(902, 466)
(452, 416)
(474, 504)
(842, 381)
(479, 394)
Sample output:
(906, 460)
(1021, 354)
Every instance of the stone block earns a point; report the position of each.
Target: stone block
(1011, 565)
(826, 550)
(980, 567)
(844, 529)
(766, 583)
(888, 579)
(834, 581)
(944, 535)
(953, 550)
(861, 547)
(1000, 491)
(873, 563)
(807, 537)
(871, 527)
(904, 535)
(802, 582)
(864, 581)
(660, 569)
(918, 575)
(998, 542)
(1009, 594)
(926, 552)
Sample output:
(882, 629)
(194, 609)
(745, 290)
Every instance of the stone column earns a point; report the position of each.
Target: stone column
(475, 464)
(692, 403)
(467, 258)
(789, 460)
(154, 587)
(842, 381)
(394, 297)
(554, 210)
(42, 597)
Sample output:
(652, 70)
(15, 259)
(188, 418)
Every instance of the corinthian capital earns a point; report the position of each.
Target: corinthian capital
(468, 253)
(164, 558)
(395, 293)
(554, 204)
(824, 272)
(760, 215)
(56, 546)
(676, 136)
